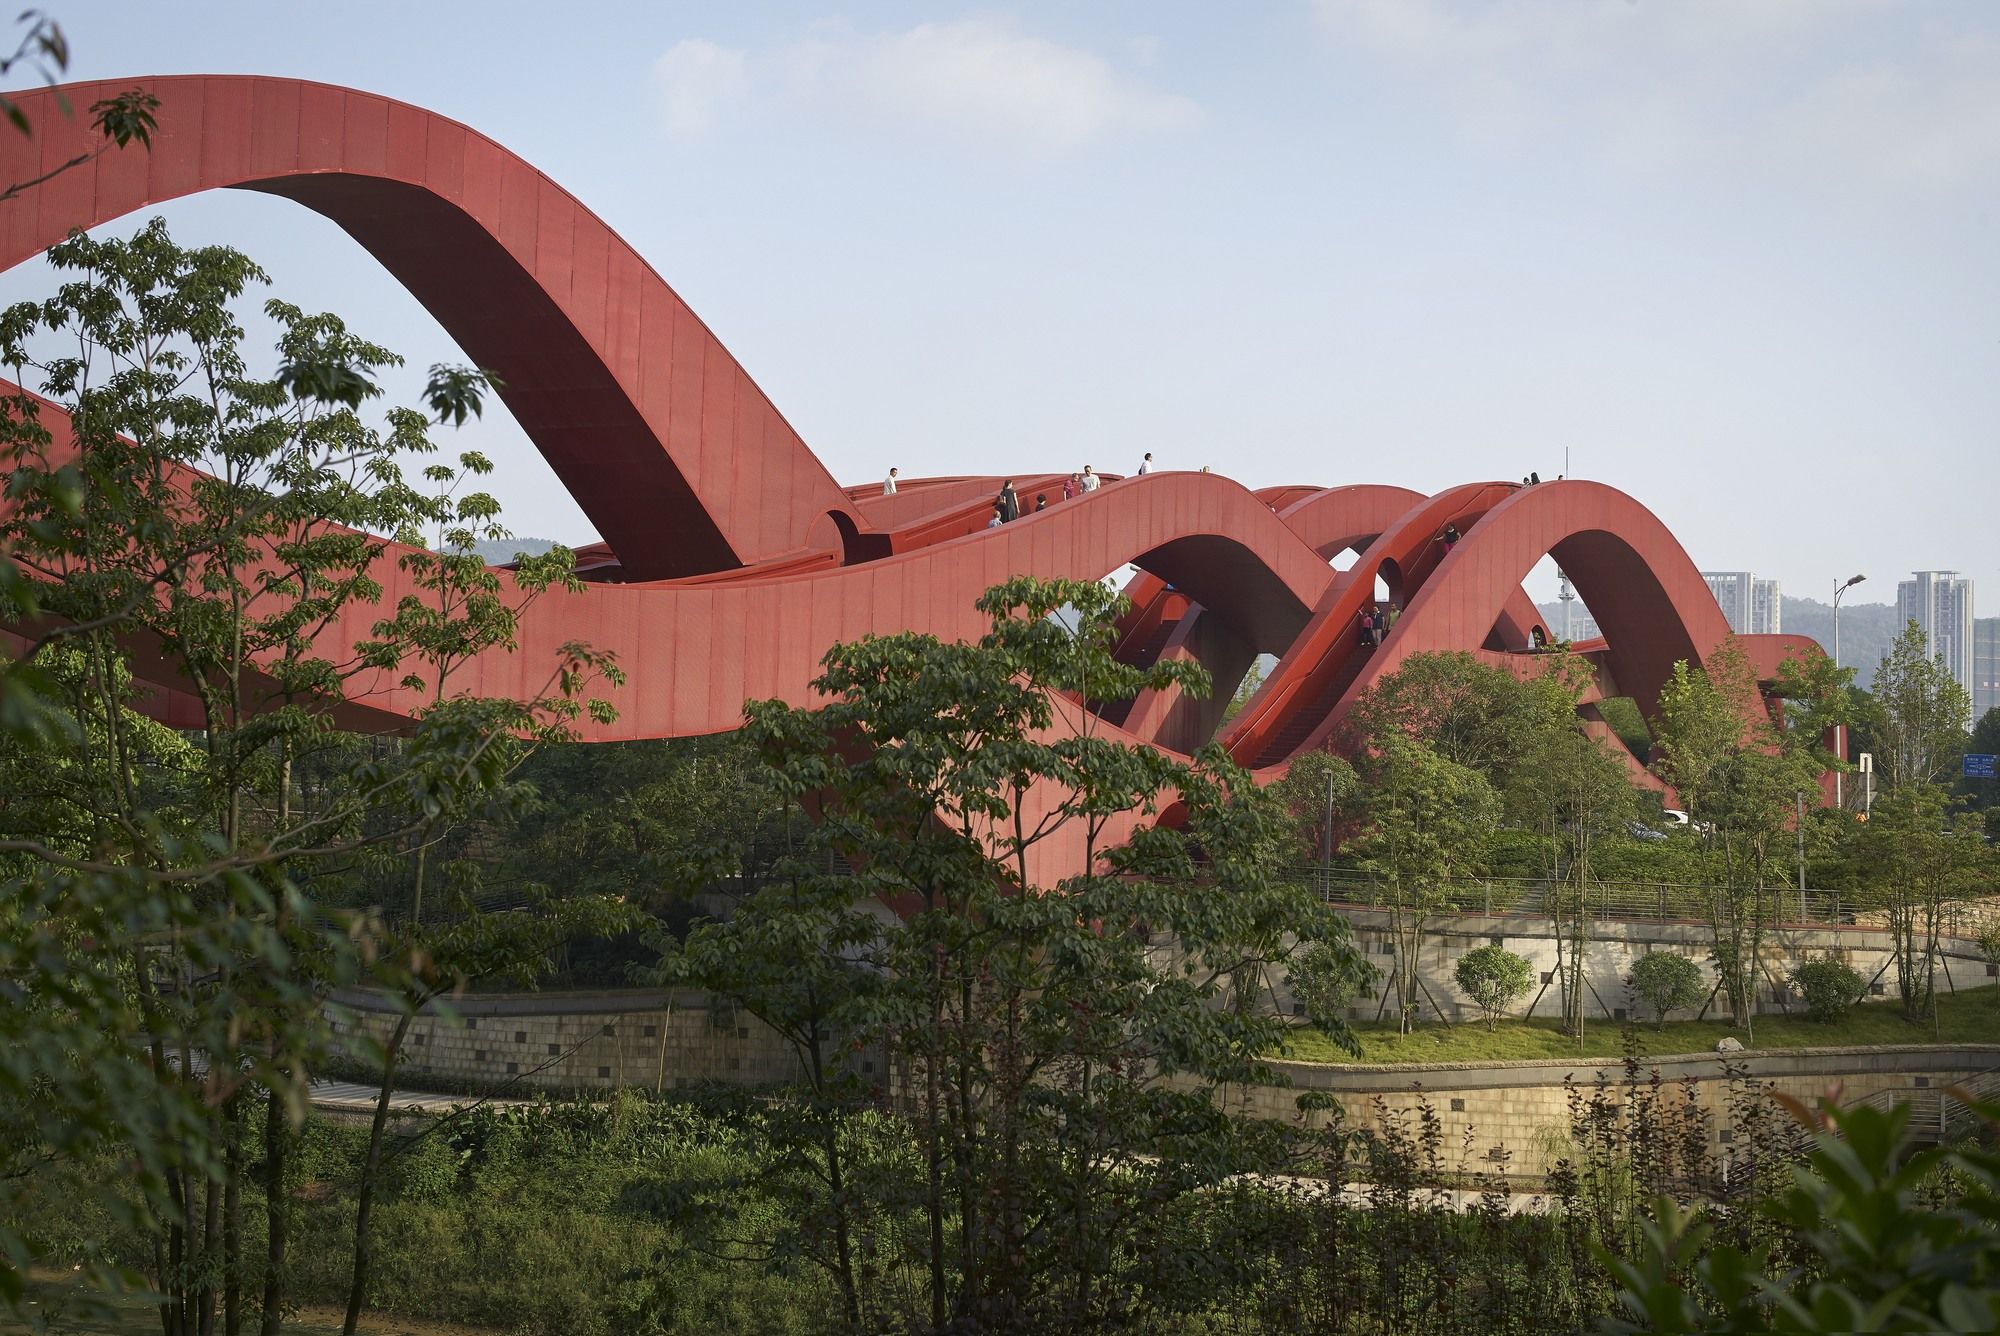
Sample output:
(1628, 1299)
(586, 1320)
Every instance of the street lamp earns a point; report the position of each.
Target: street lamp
(1837, 592)
(1839, 794)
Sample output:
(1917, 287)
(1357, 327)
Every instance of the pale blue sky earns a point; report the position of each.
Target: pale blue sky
(1741, 257)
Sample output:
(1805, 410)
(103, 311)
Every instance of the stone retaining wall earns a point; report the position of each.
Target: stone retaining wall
(1614, 946)
(651, 1039)
(1522, 1108)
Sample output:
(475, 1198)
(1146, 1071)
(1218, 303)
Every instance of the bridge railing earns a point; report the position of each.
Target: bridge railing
(1658, 901)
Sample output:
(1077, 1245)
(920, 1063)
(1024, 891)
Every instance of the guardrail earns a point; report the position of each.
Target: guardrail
(1935, 1113)
(1657, 901)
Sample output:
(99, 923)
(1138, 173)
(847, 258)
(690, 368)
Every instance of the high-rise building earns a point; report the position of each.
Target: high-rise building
(1940, 603)
(1985, 666)
(1752, 607)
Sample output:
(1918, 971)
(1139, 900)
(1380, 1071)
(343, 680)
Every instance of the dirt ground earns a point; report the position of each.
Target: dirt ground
(55, 1307)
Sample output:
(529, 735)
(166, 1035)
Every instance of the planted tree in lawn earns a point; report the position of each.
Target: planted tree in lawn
(1916, 855)
(1739, 777)
(1667, 982)
(1428, 824)
(1494, 978)
(1572, 790)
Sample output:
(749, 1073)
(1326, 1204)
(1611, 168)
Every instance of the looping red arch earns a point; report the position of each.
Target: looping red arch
(739, 559)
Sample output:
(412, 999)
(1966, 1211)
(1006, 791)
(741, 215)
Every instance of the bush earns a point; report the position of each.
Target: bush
(1324, 981)
(426, 1170)
(1495, 979)
(1667, 982)
(1830, 988)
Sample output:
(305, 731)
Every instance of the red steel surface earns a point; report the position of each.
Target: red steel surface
(732, 559)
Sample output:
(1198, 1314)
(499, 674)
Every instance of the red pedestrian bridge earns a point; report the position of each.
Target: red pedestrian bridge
(733, 558)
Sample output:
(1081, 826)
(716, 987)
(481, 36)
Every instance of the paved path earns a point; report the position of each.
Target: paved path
(351, 1097)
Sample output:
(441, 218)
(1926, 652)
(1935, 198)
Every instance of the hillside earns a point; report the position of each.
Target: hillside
(505, 550)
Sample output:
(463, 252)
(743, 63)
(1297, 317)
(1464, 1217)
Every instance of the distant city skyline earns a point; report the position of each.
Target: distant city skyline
(1941, 603)
(1734, 259)
(1750, 605)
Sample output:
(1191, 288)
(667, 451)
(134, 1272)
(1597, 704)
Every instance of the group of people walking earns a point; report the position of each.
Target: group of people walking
(1007, 505)
(1377, 622)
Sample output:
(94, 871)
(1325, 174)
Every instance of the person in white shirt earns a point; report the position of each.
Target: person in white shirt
(1145, 465)
(889, 484)
(1090, 480)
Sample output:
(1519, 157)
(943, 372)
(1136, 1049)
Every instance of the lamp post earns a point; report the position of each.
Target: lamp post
(1838, 590)
(1839, 795)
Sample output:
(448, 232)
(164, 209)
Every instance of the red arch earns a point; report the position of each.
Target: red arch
(1649, 600)
(747, 559)
(678, 458)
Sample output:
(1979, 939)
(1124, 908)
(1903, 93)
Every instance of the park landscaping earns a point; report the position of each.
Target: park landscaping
(1966, 1017)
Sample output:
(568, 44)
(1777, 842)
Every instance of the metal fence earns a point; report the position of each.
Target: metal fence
(1656, 901)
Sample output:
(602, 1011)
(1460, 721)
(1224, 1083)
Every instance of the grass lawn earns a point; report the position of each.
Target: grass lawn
(1970, 1016)
(52, 1297)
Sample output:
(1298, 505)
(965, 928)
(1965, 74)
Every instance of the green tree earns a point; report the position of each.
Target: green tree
(217, 522)
(1316, 791)
(1326, 978)
(1429, 822)
(1739, 778)
(1667, 982)
(1921, 861)
(1061, 1074)
(1494, 978)
(1923, 714)
(1574, 793)
(1470, 713)
(1830, 987)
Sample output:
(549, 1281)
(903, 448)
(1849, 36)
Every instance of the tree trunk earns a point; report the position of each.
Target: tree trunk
(277, 1140)
(371, 1170)
(211, 1245)
(232, 1216)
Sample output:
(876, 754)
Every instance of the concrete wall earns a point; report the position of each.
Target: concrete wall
(1608, 959)
(1521, 1109)
(653, 1039)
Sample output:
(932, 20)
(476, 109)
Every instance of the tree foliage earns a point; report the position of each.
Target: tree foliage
(169, 967)
(1879, 1252)
(1060, 1071)
(1494, 978)
(1830, 987)
(1923, 714)
(1742, 781)
(1667, 982)
(1429, 820)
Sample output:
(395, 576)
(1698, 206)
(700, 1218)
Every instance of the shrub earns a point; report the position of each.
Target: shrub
(1666, 982)
(426, 1170)
(1324, 981)
(1830, 988)
(1494, 978)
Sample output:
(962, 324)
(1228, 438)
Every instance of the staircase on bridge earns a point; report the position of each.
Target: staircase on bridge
(1315, 701)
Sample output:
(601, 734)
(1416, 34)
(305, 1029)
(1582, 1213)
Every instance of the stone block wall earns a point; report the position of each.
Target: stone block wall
(1523, 1109)
(1608, 959)
(650, 1039)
